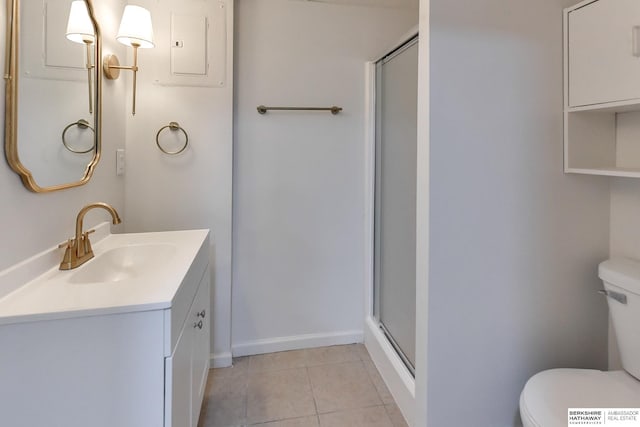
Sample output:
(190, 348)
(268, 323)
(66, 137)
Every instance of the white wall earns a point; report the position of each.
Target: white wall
(514, 243)
(298, 177)
(193, 189)
(625, 213)
(33, 222)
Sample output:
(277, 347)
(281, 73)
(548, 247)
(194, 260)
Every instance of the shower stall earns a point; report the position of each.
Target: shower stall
(392, 141)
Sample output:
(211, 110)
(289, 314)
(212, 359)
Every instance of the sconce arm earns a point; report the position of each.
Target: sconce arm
(112, 67)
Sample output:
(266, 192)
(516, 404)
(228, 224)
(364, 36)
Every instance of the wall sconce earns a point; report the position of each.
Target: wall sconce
(80, 30)
(136, 31)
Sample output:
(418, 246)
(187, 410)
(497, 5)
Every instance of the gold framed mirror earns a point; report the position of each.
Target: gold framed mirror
(53, 98)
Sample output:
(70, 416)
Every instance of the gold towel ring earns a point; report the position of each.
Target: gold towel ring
(173, 126)
(82, 124)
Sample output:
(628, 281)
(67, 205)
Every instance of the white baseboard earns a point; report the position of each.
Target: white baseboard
(220, 360)
(296, 342)
(395, 374)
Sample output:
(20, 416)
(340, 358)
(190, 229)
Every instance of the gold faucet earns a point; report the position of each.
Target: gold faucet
(78, 250)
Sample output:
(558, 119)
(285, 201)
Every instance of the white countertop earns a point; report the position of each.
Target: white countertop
(57, 294)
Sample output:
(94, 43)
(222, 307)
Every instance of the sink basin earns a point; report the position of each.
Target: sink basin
(130, 272)
(124, 263)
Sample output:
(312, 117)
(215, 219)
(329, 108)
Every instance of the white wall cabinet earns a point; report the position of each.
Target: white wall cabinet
(129, 368)
(602, 82)
(604, 54)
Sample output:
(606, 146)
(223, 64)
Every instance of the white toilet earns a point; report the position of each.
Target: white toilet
(549, 394)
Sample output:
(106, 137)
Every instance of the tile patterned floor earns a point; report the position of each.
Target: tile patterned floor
(335, 386)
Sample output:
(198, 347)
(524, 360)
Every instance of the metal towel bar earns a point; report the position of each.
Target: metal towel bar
(334, 110)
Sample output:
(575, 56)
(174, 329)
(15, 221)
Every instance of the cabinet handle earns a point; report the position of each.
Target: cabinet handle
(636, 41)
(198, 325)
(202, 314)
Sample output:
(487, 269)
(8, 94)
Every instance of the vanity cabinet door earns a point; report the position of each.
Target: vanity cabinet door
(187, 369)
(178, 381)
(604, 52)
(201, 349)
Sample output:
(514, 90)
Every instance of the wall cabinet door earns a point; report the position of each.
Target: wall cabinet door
(604, 52)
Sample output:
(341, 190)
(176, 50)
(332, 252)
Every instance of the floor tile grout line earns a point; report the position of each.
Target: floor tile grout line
(375, 387)
(279, 419)
(358, 408)
(245, 419)
(374, 383)
(388, 414)
(284, 419)
(352, 355)
(313, 394)
(318, 415)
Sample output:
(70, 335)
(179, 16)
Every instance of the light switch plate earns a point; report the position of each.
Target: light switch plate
(120, 161)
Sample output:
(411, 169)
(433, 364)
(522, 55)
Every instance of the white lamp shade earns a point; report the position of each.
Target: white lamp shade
(79, 27)
(135, 27)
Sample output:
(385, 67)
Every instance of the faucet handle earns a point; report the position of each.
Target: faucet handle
(67, 244)
(69, 250)
(86, 249)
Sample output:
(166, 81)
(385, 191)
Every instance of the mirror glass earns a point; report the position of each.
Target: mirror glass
(54, 140)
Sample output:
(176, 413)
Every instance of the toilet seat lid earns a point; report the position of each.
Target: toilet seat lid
(549, 394)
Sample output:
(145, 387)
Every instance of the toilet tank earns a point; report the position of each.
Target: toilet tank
(621, 277)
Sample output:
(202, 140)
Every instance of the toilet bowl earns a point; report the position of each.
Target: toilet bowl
(548, 395)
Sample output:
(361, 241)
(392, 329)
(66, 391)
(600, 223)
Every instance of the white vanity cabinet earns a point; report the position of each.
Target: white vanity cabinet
(127, 353)
(602, 87)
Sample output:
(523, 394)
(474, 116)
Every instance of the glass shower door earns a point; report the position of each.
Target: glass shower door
(395, 198)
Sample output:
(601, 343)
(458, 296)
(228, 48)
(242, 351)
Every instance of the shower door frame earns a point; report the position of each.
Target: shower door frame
(378, 207)
(395, 373)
